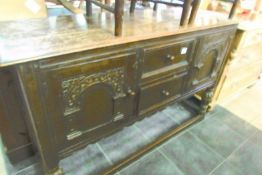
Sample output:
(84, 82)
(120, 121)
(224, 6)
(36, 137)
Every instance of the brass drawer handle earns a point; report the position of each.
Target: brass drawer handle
(170, 57)
(166, 93)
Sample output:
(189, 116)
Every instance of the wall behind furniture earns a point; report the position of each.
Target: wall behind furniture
(22, 9)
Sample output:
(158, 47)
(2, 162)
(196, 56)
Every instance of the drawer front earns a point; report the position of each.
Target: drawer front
(154, 95)
(172, 55)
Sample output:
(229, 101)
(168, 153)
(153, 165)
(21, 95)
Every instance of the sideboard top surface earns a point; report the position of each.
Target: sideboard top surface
(35, 39)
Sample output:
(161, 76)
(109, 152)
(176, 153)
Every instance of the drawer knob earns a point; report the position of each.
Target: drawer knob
(130, 92)
(199, 65)
(170, 57)
(166, 93)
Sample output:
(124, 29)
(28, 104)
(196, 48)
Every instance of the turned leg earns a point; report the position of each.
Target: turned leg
(155, 7)
(88, 8)
(233, 9)
(119, 11)
(206, 99)
(194, 10)
(56, 171)
(132, 6)
(185, 12)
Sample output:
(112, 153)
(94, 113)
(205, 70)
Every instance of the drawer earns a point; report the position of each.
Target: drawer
(172, 55)
(161, 92)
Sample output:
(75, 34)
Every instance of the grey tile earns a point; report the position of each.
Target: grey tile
(26, 163)
(178, 113)
(122, 144)
(218, 136)
(35, 169)
(156, 125)
(248, 158)
(236, 123)
(117, 174)
(152, 164)
(86, 161)
(226, 169)
(215, 110)
(190, 155)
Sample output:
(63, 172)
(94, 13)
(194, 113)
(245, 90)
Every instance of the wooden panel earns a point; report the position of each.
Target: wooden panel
(12, 124)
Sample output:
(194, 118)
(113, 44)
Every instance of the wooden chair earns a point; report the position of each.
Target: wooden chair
(187, 17)
(185, 4)
(189, 12)
(118, 11)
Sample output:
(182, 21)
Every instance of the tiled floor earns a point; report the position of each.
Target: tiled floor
(227, 142)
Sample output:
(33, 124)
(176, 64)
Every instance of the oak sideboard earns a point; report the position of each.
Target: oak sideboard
(68, 81)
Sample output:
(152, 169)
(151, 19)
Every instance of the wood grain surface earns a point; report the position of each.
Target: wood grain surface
(28, 40)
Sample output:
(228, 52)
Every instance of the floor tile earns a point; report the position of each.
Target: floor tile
(226, 169)
(156, 125)
(190, 155)
(239, 125)
(88, 161)
(248, 158)
(218, 136)
(27, 162)
(216, 110)
(35, 169)
(178, 113)
(123, 143)
(152, 164)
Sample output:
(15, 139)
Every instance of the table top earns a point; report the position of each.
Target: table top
(35, 39)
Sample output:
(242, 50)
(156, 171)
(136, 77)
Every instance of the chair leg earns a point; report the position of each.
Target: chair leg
(233, 9)
(185, 12)
(132, 6)
(119, 11)
(155, 6)
(194, 10)
(88, 8)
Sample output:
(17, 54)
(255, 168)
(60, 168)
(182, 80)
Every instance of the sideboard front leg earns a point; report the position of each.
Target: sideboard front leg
(206, 100)
(56, 171)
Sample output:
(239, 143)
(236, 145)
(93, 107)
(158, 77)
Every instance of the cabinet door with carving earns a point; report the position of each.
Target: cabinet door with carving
(209, 58)
(89, 97)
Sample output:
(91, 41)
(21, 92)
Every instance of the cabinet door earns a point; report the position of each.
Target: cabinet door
(209, 57)
(87, 98)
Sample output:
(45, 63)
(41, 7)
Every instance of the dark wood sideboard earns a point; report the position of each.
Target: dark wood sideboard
(70, 84)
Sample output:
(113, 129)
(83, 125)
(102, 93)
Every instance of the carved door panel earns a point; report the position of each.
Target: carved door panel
(86, 99)
(209, 57)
